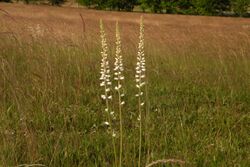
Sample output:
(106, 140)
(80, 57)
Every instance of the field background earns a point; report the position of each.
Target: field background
(198, 72)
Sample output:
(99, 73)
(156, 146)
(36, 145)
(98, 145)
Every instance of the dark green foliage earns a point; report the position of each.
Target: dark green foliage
(52, 2)
(87, 3)
(30, 1)
(56, 2)
(211, 7)
(27, 1)
(127, 5)
(200, 7)
(155, 6)
(5, 1)
(143, 5)
(112, 4)
(240, 7)
(169, 6)
(184, 4)
(100, 4)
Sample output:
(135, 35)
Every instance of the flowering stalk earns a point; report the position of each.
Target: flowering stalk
(140, 81)
(118, 73)
(105, 82)
(105, 71)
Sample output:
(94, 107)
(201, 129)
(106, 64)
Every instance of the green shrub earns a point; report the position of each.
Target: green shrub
(240, 7)
(169, 6)
(56, 2)
(87, 3)
(211, 7)
(5, 1)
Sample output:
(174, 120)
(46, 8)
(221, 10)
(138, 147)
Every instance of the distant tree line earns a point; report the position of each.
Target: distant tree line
(196, 7)
(52, 2)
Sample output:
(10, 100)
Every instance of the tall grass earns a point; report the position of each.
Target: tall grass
(51, 112)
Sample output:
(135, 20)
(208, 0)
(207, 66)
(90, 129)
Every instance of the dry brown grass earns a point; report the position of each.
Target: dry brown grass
(174, 33)
(50, 106)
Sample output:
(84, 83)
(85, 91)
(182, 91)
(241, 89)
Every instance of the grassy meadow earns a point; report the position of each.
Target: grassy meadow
(197, 93)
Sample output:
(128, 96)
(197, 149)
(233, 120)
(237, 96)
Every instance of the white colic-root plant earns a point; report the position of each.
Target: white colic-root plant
(106, 84)
(140, 82)
(119, 77)
(118, 82)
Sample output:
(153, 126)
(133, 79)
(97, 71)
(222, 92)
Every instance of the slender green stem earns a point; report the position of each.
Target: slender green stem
(110, 124)
(120, 114)
(140, 120)
(147, 135)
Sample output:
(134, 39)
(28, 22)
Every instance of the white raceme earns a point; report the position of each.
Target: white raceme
(105, 70)
(140, 64)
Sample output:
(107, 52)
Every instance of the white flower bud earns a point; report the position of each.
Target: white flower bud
(103, 97)
(106, 123)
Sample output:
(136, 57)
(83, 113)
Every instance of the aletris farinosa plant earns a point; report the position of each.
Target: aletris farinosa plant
(106, 84)
(140, 82)
(119, 77)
